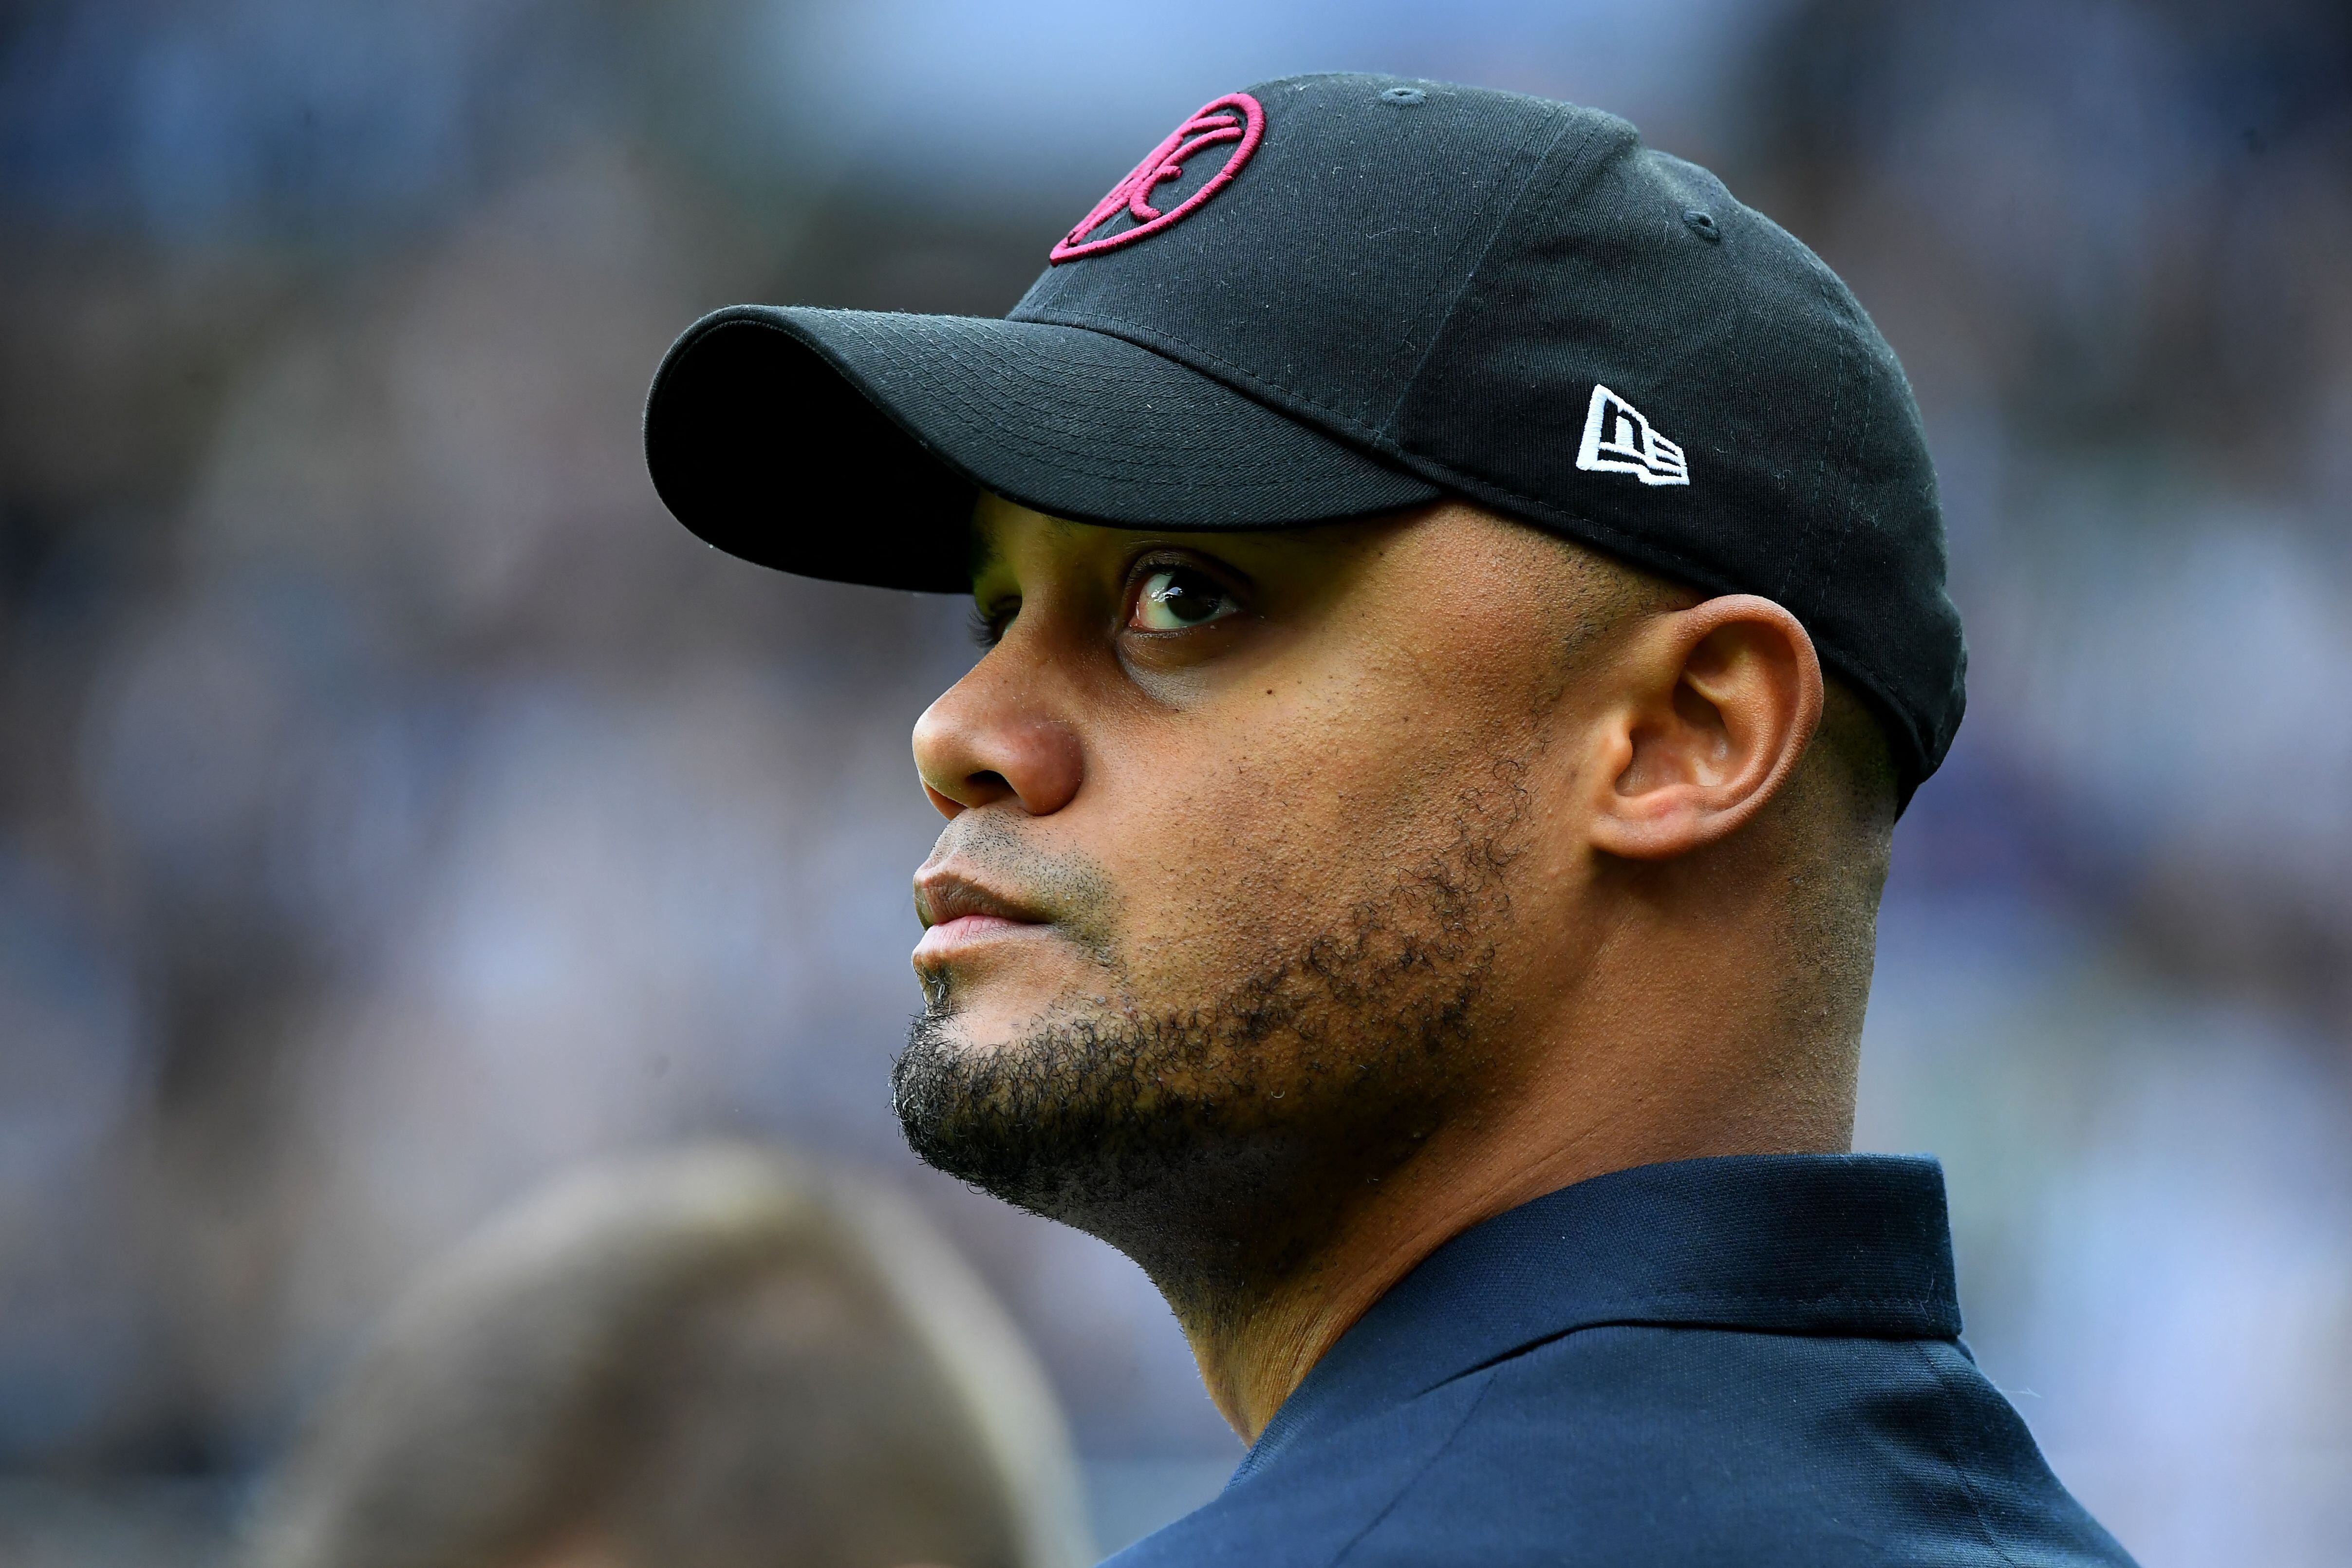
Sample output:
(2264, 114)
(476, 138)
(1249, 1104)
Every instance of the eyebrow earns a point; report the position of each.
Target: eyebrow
(983, 551)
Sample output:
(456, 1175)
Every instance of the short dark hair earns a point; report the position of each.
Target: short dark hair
(1843, 798)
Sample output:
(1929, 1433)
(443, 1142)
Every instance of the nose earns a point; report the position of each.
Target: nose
(987, 742)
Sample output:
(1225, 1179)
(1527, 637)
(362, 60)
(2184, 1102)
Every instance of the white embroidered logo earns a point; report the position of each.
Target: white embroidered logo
(1617, 440)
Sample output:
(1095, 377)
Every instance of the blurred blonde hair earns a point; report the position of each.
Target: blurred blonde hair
(709, 1358)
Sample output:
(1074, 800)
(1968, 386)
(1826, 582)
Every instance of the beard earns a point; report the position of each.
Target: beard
(1218, 1141)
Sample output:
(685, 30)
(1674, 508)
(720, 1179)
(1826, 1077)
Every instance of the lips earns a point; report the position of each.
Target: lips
(957, 911)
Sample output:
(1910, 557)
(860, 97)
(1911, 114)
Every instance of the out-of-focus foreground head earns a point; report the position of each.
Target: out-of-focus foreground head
(713, 1357)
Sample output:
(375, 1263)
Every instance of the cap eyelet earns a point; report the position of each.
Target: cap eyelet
(1703, 226)
(1404, 96)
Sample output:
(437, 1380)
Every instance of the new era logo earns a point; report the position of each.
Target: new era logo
(1617, 440)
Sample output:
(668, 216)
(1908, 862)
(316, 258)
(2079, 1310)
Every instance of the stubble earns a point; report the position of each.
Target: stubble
(1216, 1142)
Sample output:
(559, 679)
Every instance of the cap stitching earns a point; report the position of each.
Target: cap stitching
(1920, 730)
(978, 417)
(1798, 555)
(1254, 385)
(1561, 123)
(1165, 162)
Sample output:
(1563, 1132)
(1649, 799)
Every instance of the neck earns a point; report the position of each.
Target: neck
(1607, 1083)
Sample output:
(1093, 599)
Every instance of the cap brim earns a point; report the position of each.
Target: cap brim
(851, 445)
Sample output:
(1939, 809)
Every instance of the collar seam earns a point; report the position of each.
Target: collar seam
(1527, 1347)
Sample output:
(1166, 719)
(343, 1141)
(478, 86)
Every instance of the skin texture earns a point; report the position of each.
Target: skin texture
(1443, 865)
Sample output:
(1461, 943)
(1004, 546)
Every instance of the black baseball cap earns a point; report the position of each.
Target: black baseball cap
(1333, 296)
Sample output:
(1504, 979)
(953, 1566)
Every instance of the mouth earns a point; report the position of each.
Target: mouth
(958, 913)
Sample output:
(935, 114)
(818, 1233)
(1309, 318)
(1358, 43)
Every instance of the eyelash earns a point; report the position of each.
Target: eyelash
(987, 628)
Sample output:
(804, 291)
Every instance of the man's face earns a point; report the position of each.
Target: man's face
(1219, 920)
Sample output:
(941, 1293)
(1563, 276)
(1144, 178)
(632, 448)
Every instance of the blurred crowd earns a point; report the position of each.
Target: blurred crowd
(397, 811)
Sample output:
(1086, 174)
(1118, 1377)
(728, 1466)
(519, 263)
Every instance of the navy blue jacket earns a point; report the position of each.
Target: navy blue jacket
(1749, 1362)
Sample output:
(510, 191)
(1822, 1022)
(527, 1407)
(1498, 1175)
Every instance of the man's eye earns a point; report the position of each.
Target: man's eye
(1174, 597)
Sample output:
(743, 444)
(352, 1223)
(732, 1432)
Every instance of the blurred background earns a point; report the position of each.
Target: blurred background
(396, 808)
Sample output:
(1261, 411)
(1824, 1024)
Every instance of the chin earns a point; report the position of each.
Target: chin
(956, 1020)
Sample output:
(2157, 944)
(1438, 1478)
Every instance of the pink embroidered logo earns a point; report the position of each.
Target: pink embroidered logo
(1236, 118)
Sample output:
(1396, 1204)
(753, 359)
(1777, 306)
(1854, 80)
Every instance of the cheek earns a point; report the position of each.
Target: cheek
(1230, 840)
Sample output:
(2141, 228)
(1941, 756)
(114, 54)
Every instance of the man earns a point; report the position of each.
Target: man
(707, 1357)
(1465, 605)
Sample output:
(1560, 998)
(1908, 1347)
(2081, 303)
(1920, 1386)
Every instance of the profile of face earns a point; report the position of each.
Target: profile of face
(1264, 853)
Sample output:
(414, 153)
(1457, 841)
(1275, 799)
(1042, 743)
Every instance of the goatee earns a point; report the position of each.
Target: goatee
(1217, 1145)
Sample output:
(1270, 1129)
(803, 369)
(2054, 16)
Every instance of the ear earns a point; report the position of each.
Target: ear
(1722, 700)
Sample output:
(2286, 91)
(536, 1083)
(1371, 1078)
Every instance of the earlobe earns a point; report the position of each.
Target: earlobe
(1721, 701)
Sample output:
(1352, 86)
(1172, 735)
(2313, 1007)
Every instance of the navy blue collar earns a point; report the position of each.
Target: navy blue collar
(1853, 1245)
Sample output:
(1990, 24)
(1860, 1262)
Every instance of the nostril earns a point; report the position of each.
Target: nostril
(988, 784)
